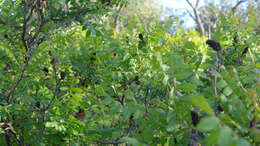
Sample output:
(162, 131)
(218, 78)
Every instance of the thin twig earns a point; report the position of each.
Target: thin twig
(26, 19)
(237, 4)
(15, 85)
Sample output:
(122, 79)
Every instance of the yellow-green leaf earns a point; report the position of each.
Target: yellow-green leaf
(200, 101)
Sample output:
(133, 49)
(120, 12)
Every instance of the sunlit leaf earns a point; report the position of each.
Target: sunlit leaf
(200, 101)
(221, 84)
(227, 91)
(187, 87)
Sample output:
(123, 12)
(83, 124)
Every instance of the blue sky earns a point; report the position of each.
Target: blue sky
(179, 7)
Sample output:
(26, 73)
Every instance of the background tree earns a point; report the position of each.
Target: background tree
(137, 14)
(213, 11)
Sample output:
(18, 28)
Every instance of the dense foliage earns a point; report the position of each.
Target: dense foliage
(67, 77)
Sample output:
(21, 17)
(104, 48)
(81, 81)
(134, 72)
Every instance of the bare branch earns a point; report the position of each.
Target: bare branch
(190, 4)
(197, 17)
(191, 15)
(237, 4)
(197, 3)
(27, 17)
(43, 21)
(8, 128)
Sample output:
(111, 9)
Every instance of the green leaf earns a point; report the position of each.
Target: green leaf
(208, 123)
(88, 33)
(182, 75)
(116, 107)
(227, 91)
(132, 141)
(51, 124)
(216, 74)
(107, 101)
(158, 57)
(165, 79)
(148, 133)
(187, 87)
(213, 137)
(77, 97)
(78, 90)
(257, 65)
(223, 98)
(138, 114)
(74, 101)
(256, 133)
(2, 131)
(190, 45)
(100, 91)
(225, 138)
(200, 101)
(164, 67)
(221, 84)
(117, 132)
(172, 125)
(242, 142)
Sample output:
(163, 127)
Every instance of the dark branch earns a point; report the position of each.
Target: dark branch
(237, 4)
